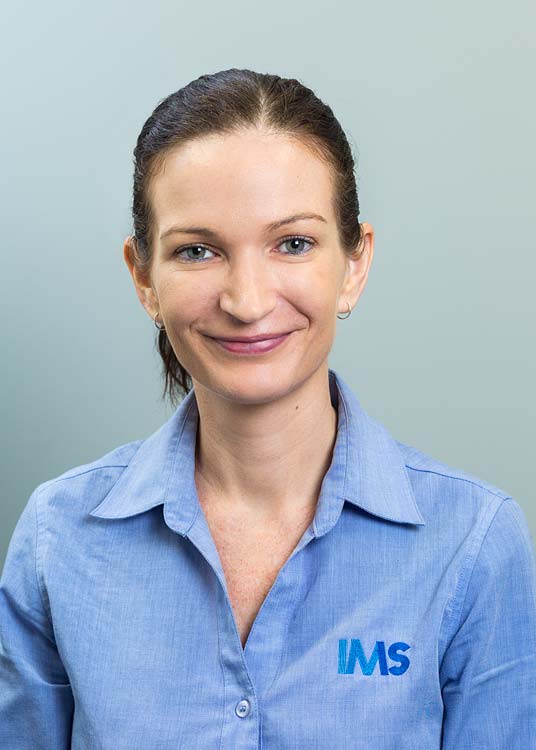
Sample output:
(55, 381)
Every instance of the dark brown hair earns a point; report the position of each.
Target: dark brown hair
(220, 103)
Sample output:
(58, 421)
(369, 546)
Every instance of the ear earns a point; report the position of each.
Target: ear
(357, 269)
(142, 282)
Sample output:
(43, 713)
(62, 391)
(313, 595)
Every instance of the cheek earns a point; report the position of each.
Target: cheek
(310, 281)
(317, 294)
(182, 301)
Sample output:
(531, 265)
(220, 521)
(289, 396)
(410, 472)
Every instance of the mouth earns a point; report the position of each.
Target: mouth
(251, 346)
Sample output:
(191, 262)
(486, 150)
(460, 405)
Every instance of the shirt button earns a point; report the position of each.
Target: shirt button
(242, 708)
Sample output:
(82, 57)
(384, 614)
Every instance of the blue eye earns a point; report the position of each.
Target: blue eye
(297, 238)
(195, 259)
(202, 249)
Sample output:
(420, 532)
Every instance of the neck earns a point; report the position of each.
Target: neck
(267, 461)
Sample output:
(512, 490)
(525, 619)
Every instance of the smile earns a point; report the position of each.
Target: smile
(252, 347)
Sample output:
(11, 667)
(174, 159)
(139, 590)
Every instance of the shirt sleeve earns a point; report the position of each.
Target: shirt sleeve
(488, 672)
(36, 702)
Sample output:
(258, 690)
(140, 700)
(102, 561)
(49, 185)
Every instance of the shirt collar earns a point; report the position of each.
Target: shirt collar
(367, 470)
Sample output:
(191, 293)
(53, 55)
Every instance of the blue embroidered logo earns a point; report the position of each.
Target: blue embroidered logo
(347, 660)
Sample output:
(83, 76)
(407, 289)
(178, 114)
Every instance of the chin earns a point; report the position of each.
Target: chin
(251, 384)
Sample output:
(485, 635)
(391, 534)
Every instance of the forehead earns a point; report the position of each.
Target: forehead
(243, 176)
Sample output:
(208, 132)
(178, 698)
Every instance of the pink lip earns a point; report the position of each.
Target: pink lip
(252, 347)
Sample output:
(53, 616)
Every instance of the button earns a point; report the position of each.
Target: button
(242, 708)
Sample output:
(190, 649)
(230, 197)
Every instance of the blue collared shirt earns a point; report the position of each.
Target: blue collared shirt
(405, 617)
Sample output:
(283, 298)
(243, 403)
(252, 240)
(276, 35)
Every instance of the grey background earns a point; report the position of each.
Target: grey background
(438, 103)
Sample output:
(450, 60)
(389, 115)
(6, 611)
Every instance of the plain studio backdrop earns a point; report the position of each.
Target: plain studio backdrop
(437, 102)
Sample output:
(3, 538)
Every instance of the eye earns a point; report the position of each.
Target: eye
(296, 250)
(196, 257)
(198, 250)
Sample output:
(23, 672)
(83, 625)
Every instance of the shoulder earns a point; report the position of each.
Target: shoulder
(428, 474)
(456, 500)
(478, 529)
(82, 487)
(463, 507)
(444, 475)
(51, 518)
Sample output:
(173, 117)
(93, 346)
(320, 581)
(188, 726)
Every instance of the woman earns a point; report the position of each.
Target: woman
(270, 568)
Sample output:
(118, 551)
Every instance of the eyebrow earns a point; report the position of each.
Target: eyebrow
(210, 234)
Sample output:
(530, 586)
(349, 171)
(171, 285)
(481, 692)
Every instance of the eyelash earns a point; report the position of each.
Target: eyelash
(285, 239)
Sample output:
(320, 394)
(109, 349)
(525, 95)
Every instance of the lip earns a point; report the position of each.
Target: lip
(250, 339)
(254, 345)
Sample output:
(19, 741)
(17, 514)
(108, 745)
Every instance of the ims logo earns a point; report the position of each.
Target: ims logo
(348, 658)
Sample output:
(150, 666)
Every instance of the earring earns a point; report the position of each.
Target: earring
(160, 328)
(343, 317)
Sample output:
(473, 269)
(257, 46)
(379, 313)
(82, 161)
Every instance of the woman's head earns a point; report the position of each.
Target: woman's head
(235, 152)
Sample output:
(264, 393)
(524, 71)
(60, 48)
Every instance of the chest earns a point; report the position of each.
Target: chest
(362, 631)
(251, 557)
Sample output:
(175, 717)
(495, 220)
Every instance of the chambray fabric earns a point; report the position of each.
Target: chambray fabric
(405, 617)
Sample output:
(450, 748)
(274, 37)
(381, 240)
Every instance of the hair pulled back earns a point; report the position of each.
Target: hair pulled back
(224, 102)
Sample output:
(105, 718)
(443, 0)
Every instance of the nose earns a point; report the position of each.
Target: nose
(248, 290)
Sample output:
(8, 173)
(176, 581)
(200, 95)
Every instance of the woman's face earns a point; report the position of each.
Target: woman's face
(243, 277)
